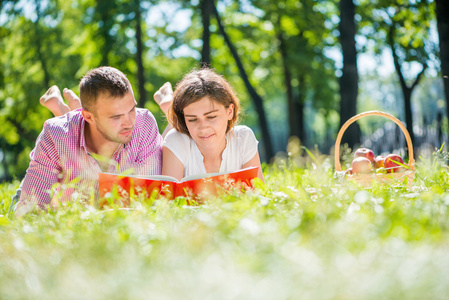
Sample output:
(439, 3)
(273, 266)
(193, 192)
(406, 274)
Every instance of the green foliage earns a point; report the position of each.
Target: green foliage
(406, 23)
(255, 27)
(302, 235)
(56, 42)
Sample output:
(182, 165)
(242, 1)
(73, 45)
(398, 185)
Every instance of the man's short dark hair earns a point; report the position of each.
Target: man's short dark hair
(102, 80)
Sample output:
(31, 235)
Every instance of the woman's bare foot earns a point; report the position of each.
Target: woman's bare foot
(164, 97)
(53, 101)
(72, 99)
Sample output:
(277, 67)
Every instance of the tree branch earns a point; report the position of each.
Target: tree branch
(258, 102)
(397, 66)
(418, 78)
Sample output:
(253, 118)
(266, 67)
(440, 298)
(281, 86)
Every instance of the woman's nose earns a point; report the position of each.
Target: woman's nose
(202, 124)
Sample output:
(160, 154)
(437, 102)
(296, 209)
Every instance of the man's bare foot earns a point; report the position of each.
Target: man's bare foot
(164, 97)
(72, 99)
(53, 101)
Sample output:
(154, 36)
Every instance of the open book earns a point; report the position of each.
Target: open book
(159, 185)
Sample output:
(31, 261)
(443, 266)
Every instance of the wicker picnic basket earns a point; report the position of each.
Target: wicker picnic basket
(367, 179)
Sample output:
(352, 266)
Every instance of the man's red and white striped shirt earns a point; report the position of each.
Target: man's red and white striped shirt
(60, 156)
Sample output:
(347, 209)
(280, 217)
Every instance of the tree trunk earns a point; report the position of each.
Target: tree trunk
(205, 15)
(258, 102)
(38, 41)
(6, 176)
(139, 61)
(299, 107)
(442, 11)
(102, 9)
(406, 90)
(41, 57)
(408, 111)
(292, 118)
(350, 77)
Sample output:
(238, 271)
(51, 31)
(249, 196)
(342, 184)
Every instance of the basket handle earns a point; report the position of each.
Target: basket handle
(411, 161)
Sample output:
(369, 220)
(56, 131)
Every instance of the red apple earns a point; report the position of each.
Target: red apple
(361, 165)
(365, 152)
(379, 162)
(391, 164)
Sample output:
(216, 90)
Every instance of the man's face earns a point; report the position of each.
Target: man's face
(114, 119)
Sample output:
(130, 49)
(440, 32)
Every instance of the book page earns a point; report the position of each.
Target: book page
(152, 177)
(208, 175)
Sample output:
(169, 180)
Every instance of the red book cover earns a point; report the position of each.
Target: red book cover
(127, 186)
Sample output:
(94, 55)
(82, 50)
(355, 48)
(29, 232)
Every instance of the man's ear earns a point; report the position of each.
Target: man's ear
(230, 111)
(88, 116)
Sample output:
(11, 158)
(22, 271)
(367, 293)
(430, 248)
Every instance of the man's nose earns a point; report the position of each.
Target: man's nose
(127, 121)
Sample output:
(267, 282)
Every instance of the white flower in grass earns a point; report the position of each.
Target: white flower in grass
(293, 189)
(361, 197)
(250, 226)
(280, 195)
(353, 207)
(264, 200)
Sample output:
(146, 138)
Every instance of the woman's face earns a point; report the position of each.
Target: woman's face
(207, 121)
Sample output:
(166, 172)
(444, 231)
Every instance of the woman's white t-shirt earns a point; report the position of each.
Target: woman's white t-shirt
(241, 146)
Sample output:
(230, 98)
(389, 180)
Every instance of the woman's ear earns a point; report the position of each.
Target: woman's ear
(230, 111)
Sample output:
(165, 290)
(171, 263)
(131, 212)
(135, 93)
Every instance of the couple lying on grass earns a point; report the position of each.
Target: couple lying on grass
(103, 131)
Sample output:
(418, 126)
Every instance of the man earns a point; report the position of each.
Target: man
(108, 134)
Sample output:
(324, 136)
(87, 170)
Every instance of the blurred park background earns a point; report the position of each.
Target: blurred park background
(300, 68)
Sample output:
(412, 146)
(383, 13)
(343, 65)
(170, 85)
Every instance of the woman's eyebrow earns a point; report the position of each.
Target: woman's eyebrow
(209, 112)
(212, 111)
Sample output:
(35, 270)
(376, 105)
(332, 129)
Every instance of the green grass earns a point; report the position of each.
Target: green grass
(302, 236)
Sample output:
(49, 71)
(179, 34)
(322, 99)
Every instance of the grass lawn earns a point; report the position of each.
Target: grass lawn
(304, 235)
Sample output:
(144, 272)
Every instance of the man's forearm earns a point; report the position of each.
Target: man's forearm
(36, 190)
